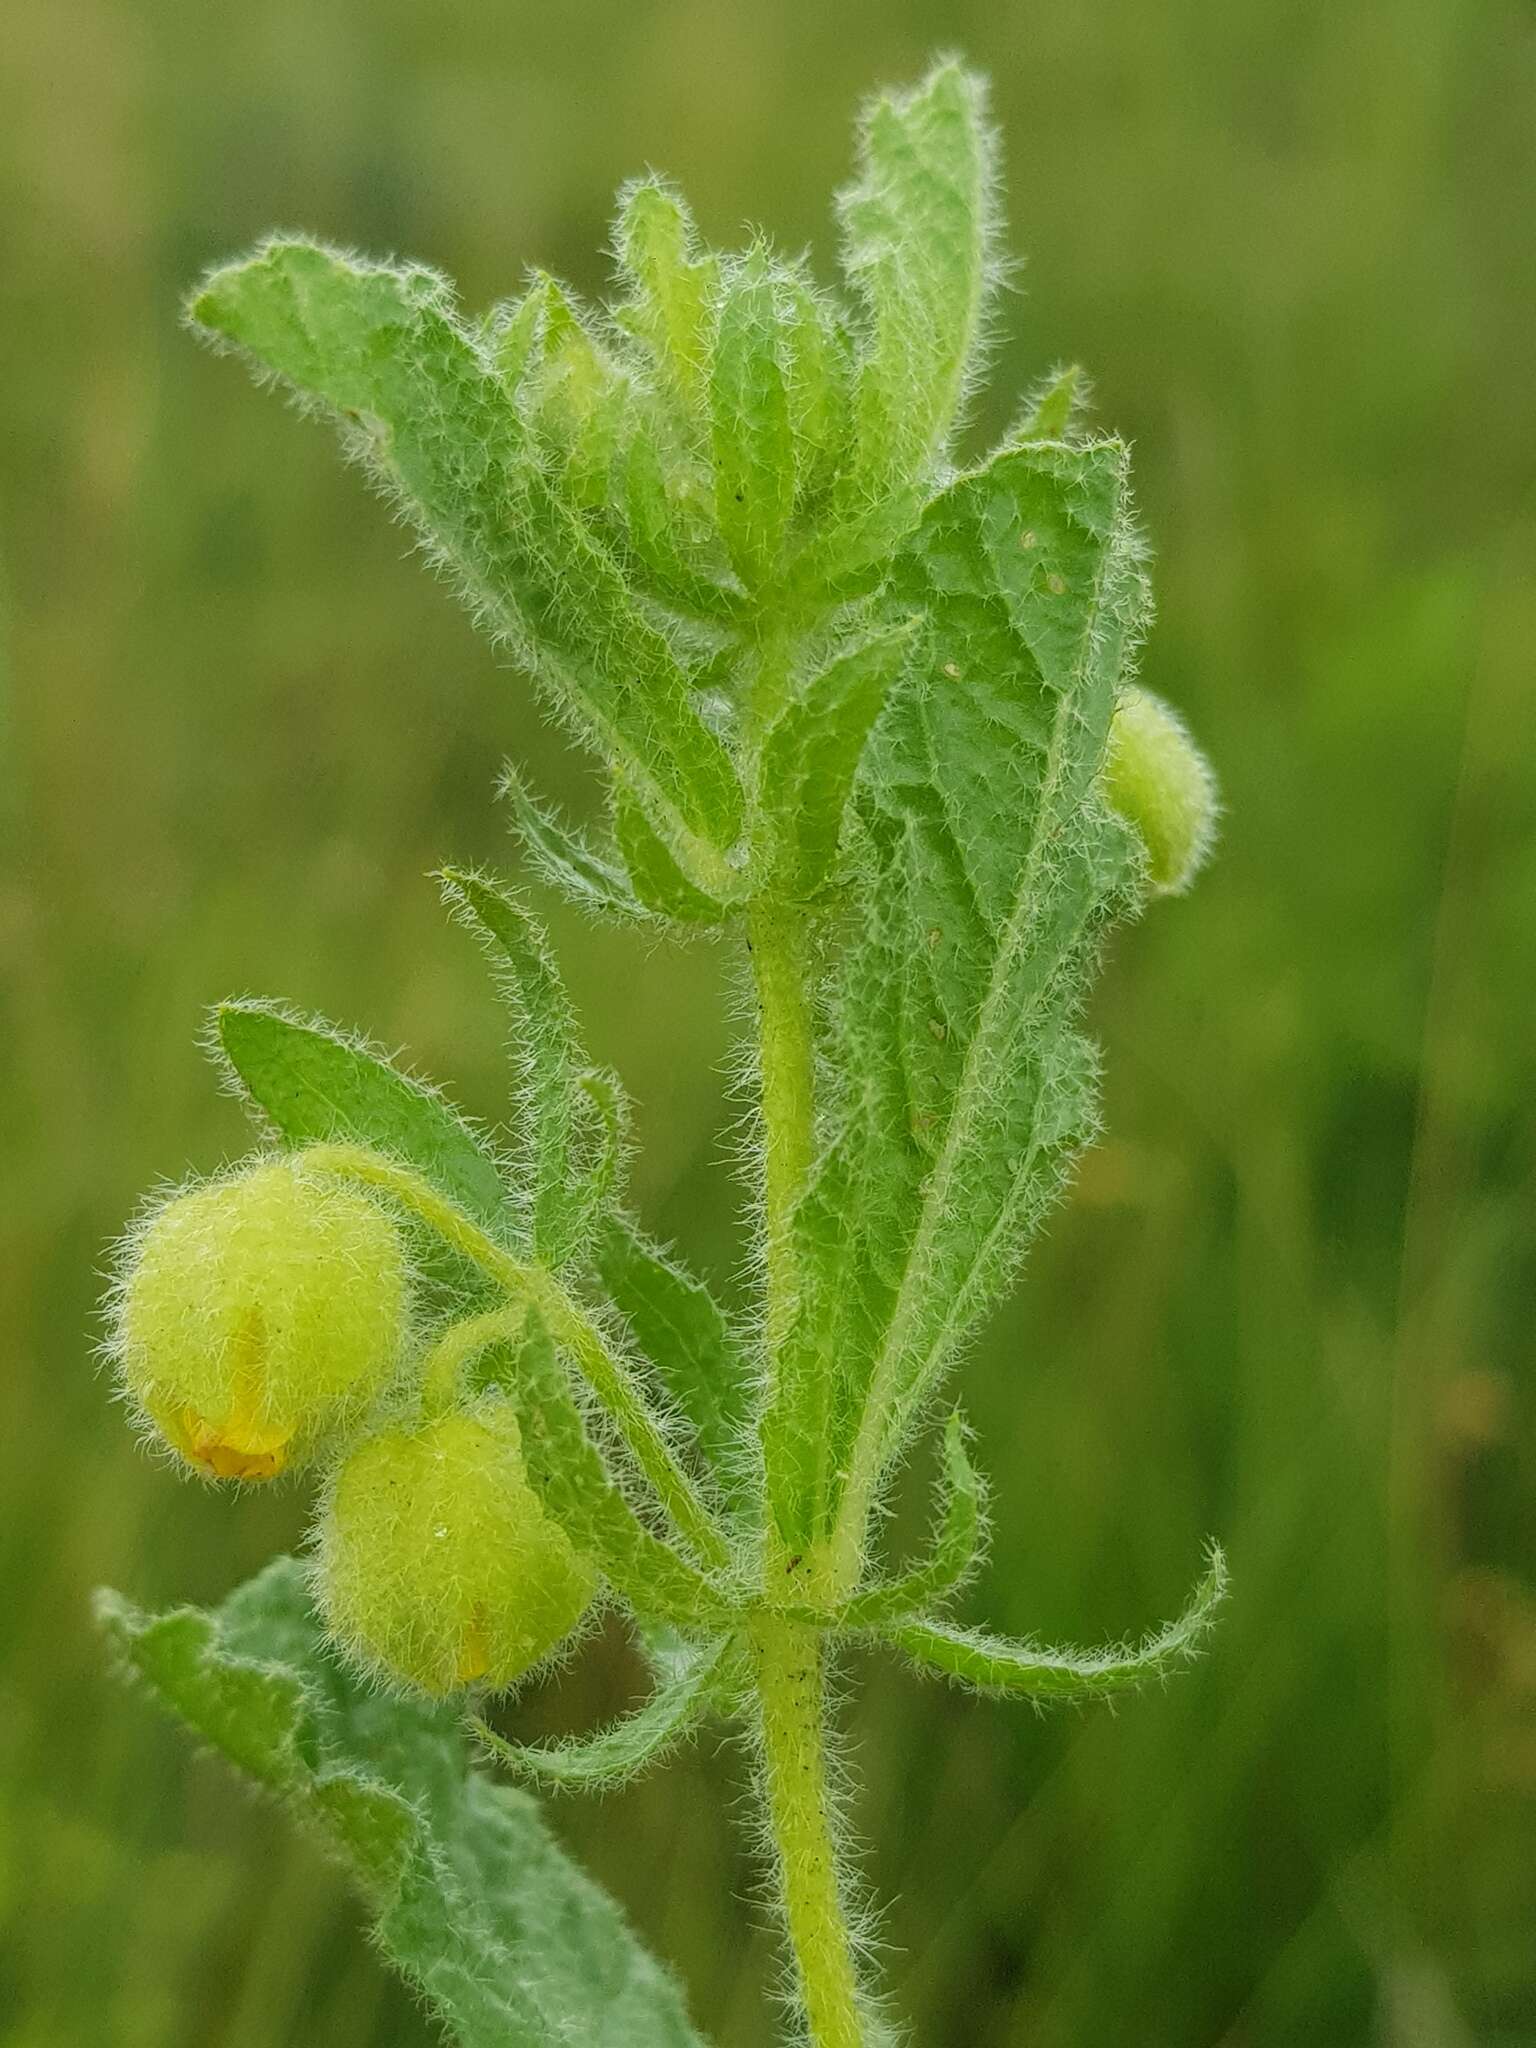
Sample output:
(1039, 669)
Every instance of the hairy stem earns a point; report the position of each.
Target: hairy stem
(569, 1324)
(792, 1693)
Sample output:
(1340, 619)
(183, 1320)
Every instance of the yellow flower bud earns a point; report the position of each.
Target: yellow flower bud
(1159, 781)
(257, 1314)
(437, 1564)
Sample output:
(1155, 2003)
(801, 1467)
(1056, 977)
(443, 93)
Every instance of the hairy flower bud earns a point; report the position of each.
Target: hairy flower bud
(1160, 782)
(437, 1563)
(257, 1314)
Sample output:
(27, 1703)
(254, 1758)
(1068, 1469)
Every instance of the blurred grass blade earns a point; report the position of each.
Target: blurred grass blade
(481, 1912)
(315, 1086)
(989, 1664)
(624, 1748)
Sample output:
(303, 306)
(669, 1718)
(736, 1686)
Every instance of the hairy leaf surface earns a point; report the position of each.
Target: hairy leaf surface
(991, 1664)
(314, 1086)
(429, 411)
(474, 1904)
(626, 1747)
(566, 1132)
(963, 1090)
(683, 1332)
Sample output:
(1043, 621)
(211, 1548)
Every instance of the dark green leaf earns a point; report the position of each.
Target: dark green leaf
(314, 1086)
(990, 864)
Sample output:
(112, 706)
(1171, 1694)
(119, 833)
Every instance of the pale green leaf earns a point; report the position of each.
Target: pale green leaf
(473, 1902)
(990, 864)
(314, 1086)
(593, 1509)
(626, 1747)
(657, 876)
(954, 1553)
(989, 1664)
(751, 433)
(813, 749)
(1053, 409)
(564, 859)
(429, 411)
(671, 284)
(918, 228)
(568, 1122)
(683, 1333)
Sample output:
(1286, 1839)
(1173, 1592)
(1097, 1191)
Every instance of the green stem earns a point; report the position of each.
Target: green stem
(792, 1691)
(458, 1344)
(569, 1324)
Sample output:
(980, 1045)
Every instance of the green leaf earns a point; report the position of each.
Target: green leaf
(955, 1550)
(812, 753)
(428, 410)
(315, 1086)
(568, 1121)
(990, 1664)
(671, 285)
(918, 231)
(626, 1747)
(990, 863)
(473, 1902)
(751, 434)
(657, 877)
(817, 373)
(681, 1329)
(564, 860)
(1053, 409)
(584, 1497)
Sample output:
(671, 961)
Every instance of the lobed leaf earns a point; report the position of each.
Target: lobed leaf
(626, 1747)
(989, 865)
(473, 1902)
(314, 1086)
(989, 1664)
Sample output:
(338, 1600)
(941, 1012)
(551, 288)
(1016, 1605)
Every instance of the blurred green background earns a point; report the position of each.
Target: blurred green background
(1291, 1299)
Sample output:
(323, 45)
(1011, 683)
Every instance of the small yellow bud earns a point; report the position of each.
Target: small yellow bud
(257, 1314)
(1160, 782)
(437, 1564)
